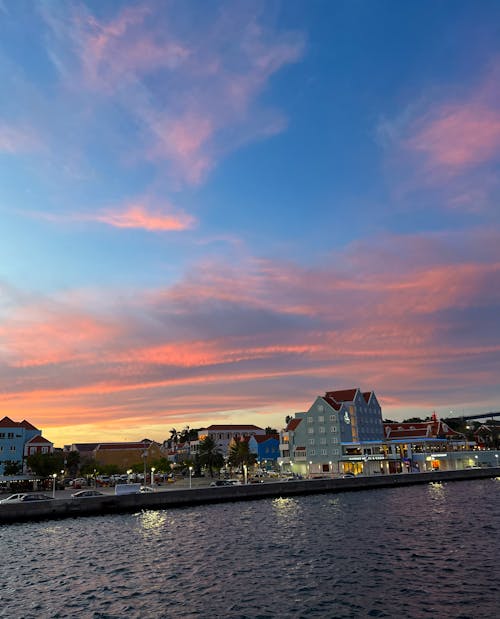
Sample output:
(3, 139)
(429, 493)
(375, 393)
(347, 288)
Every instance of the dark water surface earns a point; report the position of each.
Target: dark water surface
(422, 551)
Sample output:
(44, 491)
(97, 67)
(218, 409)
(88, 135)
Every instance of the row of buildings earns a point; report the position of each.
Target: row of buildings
(342, 432)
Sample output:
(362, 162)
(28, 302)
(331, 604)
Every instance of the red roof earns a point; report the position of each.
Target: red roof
(367, 395)
(424, 429)
(344, 395)
(263, 439)
(333, 403)
(293, 424)
(7, 422)
(38, 439)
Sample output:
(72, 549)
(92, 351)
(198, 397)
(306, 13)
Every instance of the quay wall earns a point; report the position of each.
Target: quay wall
(110, 504)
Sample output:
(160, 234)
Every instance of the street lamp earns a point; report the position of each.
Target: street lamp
(245, 473)
(331, 467)
(190, 472)
(310, 464)
(129, 473)
(54, 475)
(153, 476)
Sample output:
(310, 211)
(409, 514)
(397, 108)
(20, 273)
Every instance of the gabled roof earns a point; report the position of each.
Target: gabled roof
(27, 425)
(293, 424)
(38, 439)
(367, 395)
(344, 395)
(425, 429)
(7, 422)
(267, 437)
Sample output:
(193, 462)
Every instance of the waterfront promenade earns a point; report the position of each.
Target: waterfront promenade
(63, 506)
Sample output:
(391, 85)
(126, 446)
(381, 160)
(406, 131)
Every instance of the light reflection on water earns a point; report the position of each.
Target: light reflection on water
(421, 551)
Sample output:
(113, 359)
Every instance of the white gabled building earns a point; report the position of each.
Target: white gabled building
(223, 434)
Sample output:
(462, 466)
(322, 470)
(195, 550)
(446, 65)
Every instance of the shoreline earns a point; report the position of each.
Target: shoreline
(174, 498)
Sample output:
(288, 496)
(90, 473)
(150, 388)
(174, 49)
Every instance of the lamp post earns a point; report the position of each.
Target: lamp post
(190, 472)
(54, 475)
(280, 462)
(153, 476)
(331, 468)
(245, 473)
(310, 464)
(129, 473)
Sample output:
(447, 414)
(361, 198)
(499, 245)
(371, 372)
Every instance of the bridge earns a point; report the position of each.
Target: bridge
(477, 416)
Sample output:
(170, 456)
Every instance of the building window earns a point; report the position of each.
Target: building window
(335, 452)
(13, 448)
(322, 429)
(311, 441)
(2, 434)
(312, 452)
(310, 430)
(335, 440)
(310, 419)
(333, 429)
(324, 452)
(333, 418)
(44, 450)
(321, 419)
(10, 435)
(322, 441)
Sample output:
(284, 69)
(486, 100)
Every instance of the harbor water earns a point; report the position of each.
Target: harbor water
(418, 551)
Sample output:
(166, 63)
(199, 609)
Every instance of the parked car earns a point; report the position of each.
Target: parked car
(146, 489)
(348, 475)
(85, 494)
(220, 482)
(26, 498)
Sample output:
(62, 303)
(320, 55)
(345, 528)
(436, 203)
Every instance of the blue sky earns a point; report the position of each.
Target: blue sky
(216, 211)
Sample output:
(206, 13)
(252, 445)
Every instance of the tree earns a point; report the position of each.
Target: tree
(210, 455)
(174, 438)
(11, 467)
(45, 464)
(239, 454)
(269, 431)
(73, 462)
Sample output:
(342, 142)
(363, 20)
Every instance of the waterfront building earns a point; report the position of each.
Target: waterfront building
(432, 445)
(18, 440)
(120, 454)
(266, 448)
(341, 432)
(223, 434)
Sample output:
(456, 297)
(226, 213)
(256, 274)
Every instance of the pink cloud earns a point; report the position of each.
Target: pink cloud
(459, 136)
(192, 92)
(242, 336)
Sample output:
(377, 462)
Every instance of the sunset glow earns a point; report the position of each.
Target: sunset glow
(214, 212)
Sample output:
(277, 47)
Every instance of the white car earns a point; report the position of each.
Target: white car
(26, 498)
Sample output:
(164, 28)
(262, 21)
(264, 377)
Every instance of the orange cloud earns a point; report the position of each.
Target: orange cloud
(138, 216)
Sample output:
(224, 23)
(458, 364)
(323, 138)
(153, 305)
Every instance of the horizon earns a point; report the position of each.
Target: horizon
(214, 213)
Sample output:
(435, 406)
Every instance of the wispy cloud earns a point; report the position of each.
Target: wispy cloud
(140, 216)
(192, 91)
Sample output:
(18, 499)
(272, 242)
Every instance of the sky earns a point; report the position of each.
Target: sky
(212, 212)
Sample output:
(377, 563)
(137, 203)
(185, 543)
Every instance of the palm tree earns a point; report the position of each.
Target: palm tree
(240, 454)
(210, 454)
(174, 437)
